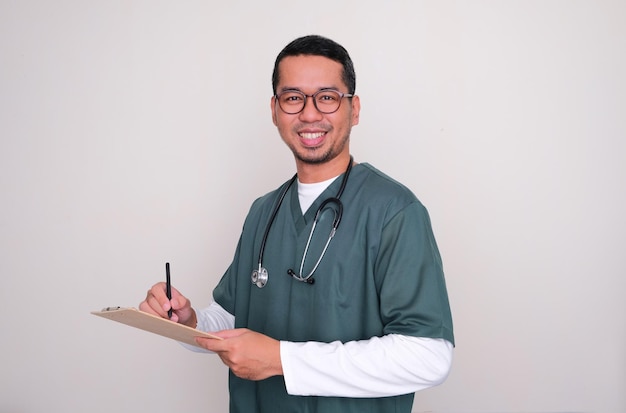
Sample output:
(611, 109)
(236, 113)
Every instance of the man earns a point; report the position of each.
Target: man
(335, 300)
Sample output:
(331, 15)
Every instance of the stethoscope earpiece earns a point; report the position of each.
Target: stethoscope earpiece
(310, 280)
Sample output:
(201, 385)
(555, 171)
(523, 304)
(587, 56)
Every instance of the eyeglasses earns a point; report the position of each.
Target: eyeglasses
(326, 100)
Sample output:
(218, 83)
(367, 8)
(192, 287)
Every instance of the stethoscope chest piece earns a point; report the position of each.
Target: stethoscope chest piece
(259, 277)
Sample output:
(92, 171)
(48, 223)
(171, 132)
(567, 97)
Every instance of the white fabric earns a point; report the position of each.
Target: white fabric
(379, 367)
(308, 193)
(212, 318)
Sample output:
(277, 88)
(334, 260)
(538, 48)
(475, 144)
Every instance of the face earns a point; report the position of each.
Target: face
(315, 138)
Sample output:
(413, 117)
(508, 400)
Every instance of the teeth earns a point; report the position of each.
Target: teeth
(311, 135)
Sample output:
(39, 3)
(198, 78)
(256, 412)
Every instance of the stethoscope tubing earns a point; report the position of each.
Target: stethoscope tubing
(336, 222)
(260, 276)
(272, 217)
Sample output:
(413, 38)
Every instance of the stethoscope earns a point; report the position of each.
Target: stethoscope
(260, 276)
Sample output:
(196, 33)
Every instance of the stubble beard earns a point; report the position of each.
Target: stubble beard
(312, 156)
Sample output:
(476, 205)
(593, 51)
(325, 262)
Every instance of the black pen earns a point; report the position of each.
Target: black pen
(168, 287)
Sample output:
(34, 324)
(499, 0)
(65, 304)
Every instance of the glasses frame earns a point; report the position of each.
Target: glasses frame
(314, 95)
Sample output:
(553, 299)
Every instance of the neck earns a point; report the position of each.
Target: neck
(310, 173)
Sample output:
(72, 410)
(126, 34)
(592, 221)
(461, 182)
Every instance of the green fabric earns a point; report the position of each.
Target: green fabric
(381, 274)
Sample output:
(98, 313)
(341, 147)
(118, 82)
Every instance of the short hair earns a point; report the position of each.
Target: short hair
(314, 45)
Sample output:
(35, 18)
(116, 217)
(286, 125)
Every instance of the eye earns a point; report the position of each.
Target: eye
(291, 98)
(327, 96)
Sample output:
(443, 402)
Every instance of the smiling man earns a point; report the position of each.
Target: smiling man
(335, 300)
(309, 111)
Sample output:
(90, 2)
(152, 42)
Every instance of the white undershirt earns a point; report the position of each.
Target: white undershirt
(308, 193)
(378, 367)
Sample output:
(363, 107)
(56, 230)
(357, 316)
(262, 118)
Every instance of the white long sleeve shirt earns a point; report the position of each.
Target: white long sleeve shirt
(378, 367)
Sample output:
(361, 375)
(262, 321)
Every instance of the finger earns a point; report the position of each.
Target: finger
(226, 334)
(152, 306)
(212, 344)
(156, 301)
(157, 291)
(221, 343)
(178, 301)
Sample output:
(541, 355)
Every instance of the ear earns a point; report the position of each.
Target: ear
(273, 108)
(356, 110)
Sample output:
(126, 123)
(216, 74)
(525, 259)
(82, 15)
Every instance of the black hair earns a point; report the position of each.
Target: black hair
(314, 45)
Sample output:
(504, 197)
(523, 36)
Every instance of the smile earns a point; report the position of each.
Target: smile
(313, 135)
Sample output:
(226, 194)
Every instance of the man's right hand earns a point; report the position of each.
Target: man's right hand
(156, 302)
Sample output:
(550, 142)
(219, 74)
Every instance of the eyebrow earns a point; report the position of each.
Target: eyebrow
(295, 89)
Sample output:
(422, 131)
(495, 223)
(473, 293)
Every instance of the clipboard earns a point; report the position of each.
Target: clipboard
(153, 324)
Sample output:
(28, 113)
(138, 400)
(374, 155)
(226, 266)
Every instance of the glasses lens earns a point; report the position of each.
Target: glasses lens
(291, 102)
(327, 101)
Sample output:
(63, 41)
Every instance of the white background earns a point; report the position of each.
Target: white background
(138, 132)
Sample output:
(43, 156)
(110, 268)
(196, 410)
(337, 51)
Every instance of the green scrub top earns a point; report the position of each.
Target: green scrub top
(381, 274)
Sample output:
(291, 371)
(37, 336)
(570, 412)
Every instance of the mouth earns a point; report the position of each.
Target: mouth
(312, 138)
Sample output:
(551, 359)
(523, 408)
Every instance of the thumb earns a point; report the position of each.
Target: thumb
(225, 334)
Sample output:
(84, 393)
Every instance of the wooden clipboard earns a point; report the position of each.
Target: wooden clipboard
(154, 324)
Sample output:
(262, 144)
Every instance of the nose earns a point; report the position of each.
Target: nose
(309, 112)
